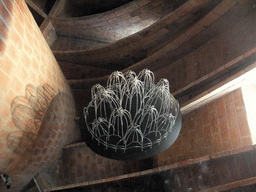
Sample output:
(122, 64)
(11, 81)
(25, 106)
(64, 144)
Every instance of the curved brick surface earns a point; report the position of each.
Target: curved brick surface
(201, 55)
(76, 71)
(5, 22)
(139, 46)
(36, 105)
(117, 23)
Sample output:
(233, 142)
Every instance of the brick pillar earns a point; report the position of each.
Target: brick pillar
(36, 105)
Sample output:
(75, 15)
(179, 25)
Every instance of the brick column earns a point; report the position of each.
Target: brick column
(36, 105)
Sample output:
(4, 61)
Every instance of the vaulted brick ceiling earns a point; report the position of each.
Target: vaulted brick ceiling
(198, 45)
(175, 39)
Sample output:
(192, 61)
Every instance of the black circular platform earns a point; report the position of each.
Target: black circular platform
(132, 153)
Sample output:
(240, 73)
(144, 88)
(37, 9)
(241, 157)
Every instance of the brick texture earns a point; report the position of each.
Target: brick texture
(36, 105)
(213, 128)
(73, 71)
(6, 9)
(171, 32)
(117, 23)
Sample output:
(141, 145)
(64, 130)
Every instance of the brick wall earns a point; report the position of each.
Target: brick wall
(214, 151)
(224, 48)
(36, 105)
(161, 44)
(117, 23)
(75, 71)
(5, 22)
(147, 41)
(216, 127)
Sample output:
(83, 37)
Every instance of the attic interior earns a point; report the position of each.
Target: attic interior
(53, 52)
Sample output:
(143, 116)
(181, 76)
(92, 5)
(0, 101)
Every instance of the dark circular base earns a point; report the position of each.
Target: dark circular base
(134, 153)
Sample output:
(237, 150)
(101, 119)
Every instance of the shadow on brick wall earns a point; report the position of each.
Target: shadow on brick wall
(27, 116)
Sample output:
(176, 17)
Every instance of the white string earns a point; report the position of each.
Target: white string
(130, 110)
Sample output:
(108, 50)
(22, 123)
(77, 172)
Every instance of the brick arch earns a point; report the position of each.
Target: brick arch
(115, 24)
(198, 61)
(170, 32)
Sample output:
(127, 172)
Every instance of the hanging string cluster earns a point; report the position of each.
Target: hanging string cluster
(131, 112)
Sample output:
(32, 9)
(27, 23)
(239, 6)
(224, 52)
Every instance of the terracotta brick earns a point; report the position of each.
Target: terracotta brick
(23, 73)
(9, 5)
(221, 108)
(205, 115)
(179, 145)
(232, 116)
(233, 62)
(10, 125)
(229, 186)
(212, 106)
(158, 10)
(191, 123)
(61, 84)
(196, 3)
(144, 2)
(194, 30)
(247, 140)
(235, 138)
(243, 124)
(4, 134)
(5, 81)
(228, 98)
(192, 142)
(214, 122)
(10, 96)
(28, 49)
(17, 86)
(5, 13)
(18, 25)
(170, 18)
(2, 45)
(227, 145)
(242, 149)
(238, 99)
(248, 182)
(224, 131)
(5, 111)
(35, 65)
(156, 3)
(184, 9)
(207, 135)
(181, 39)
(2, 124)
(9, 66)
(217, 143)
(13, 53)
(224, 7)
(16, 40)
(252, 51)
(208, 19)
